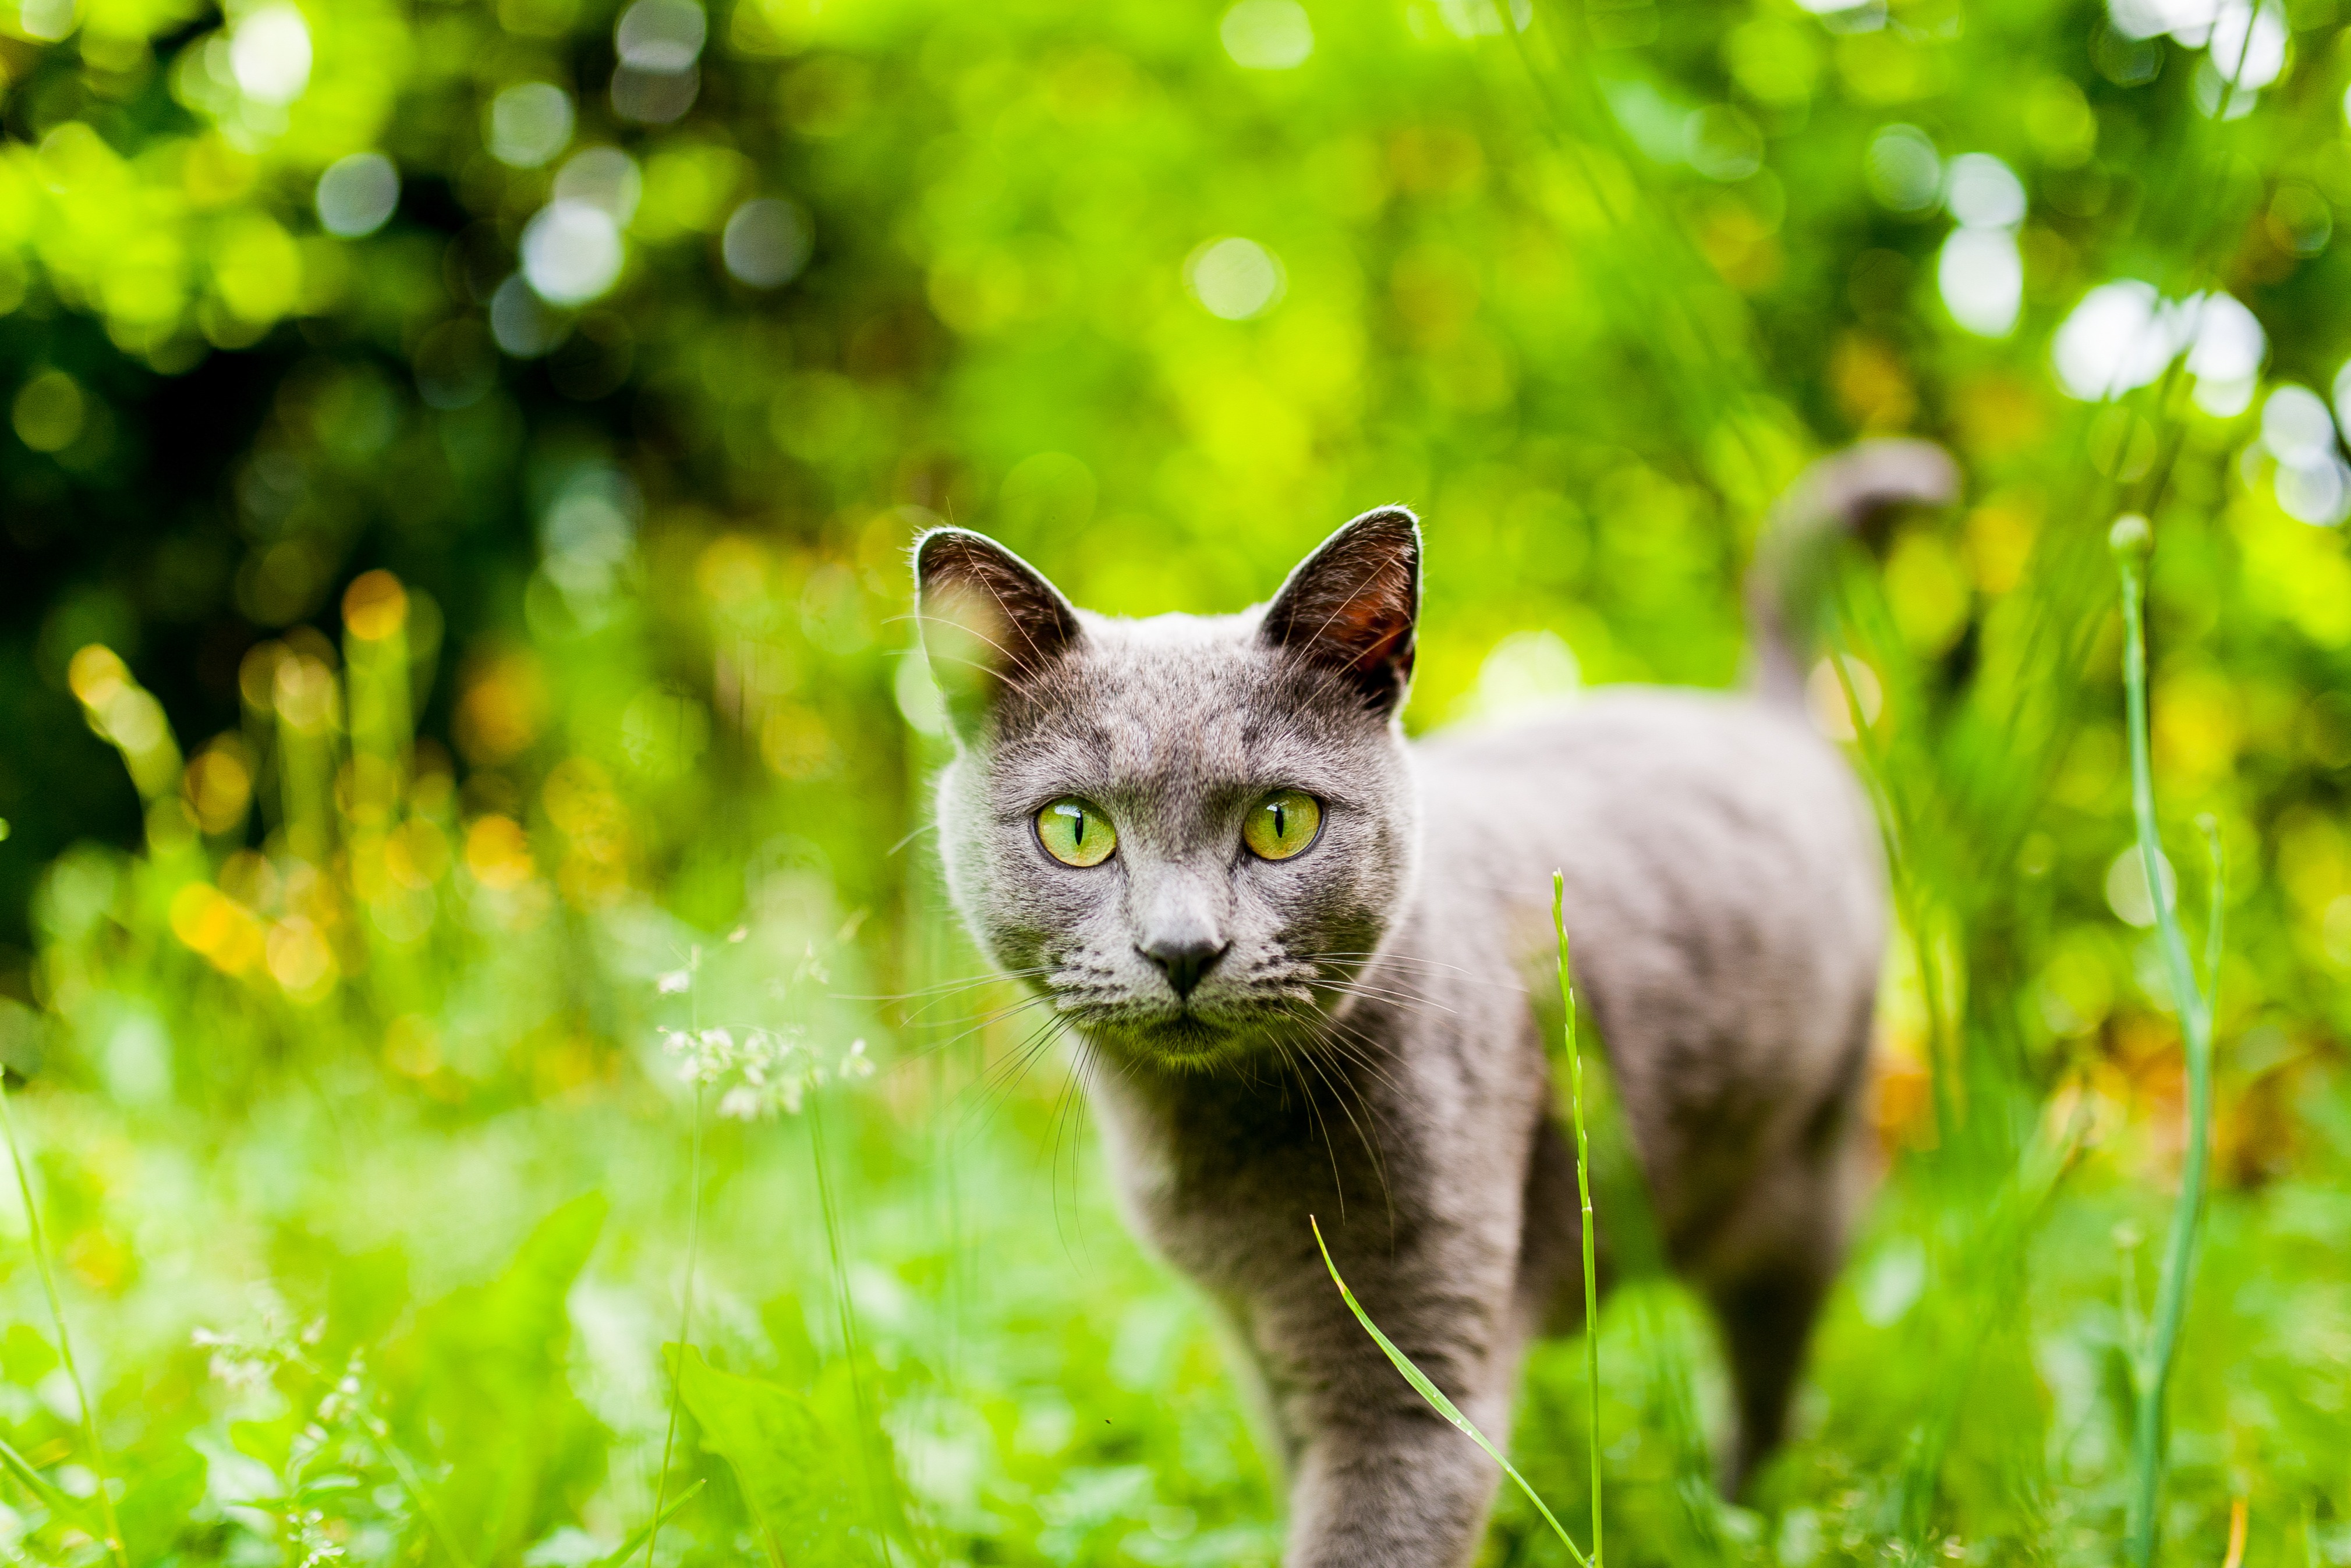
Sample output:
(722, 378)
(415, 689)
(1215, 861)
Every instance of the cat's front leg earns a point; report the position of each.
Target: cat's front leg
(1400, 1489)
(1379, 1479)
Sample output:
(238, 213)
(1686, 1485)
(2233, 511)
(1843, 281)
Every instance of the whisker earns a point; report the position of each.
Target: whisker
(1330, 1151)
(995, 1087)
(1381, 959)
(997, 1016)
(1367, 1137)
(1354, 1046)
(1065, 1109)
(1386, 993)
(946, 986)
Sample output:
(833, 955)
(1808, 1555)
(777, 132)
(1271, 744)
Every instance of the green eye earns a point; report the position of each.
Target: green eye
(1075, 831)
(1282, 823)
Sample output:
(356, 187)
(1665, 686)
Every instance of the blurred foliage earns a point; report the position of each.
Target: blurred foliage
(459, 466)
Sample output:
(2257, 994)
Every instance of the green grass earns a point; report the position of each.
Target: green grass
(355, 1301)
(362, 1214)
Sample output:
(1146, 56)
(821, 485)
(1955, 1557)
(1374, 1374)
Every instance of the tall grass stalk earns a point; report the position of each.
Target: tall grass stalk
(65, 1340)
(1583, 1189)
(1419, 1380)
(2131, 540)
(693, 1250)
(1439, 1403)
(881, 1472)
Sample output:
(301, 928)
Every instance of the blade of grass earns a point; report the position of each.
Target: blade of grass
(685, 1329)
(1582, 1188)
(65, 1340)
(644, 1536)
(881, 1471)
(685, 1308)
(2210, 825)
(2131, 541)
(1436, 1400)
(37, 1483)
(414, 1486)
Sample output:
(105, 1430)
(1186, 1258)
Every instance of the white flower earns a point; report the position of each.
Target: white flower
(762, 1074)
(703, 1057)
(675, 980)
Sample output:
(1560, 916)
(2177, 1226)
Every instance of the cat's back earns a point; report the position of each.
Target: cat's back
(1705, 781)
(1713, 844)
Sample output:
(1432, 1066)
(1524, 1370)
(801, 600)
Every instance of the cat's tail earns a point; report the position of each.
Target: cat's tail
(1838, 494)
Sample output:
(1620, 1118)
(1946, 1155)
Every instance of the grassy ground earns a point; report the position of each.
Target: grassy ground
(401, 1204)
(359, 1306)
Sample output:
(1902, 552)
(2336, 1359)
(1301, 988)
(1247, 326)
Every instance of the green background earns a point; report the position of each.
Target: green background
(332, 907)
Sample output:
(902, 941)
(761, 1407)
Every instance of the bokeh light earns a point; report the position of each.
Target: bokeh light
(2248, 44)
(1903, 170)
(661, 36)
(1268, 35)
(530, 122)
(1983, 192)
(2226, 358)
(604, 178)
(1234, 278)
(357, 196)
(2296, 426)
(572, 252)
(48, 411)
(659, 43)
(2311, 482)
(766, 241)
(1980, 271)
(521, 320)
(269, 50)
(1980, 274)
(2120, 336)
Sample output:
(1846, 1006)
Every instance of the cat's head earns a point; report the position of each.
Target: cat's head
(1187, 831)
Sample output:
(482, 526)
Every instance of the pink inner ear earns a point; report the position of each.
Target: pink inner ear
(1373, 623)
(1350, 606)
(1372, 619)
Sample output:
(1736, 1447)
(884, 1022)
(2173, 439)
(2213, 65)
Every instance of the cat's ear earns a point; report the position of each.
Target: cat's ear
(991, 623)
(1350, 606)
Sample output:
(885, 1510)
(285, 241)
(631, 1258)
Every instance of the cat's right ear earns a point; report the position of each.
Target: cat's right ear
(1351, 606)
(991, 623)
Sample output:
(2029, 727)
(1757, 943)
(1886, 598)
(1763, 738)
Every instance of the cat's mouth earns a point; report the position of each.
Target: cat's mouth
(1198, 1031)
(1186, 1038)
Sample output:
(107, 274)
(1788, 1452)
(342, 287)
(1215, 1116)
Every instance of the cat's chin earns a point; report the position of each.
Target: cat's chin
(1186, 1041)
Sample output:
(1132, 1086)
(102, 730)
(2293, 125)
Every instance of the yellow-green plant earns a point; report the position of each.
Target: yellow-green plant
(1582, 1187)
(2131, 540)
(65, 1339)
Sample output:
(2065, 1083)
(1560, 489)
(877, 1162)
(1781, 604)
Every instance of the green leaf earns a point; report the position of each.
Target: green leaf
(163, 1495)
(497, 1397)
(787, 1463)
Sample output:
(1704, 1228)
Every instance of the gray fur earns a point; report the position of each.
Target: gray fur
(1364, 1049)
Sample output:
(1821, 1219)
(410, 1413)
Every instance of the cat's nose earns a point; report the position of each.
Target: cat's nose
(1185, 961)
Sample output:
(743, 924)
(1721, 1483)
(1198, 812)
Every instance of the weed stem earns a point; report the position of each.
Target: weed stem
(2130, 540)
(1582, 1191)
(685, 1325)
(65, 1340)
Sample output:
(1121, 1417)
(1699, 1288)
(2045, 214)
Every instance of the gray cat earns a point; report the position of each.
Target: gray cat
(1302, 949)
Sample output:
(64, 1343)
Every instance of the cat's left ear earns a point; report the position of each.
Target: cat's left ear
(991, 623)
(1351, 606)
